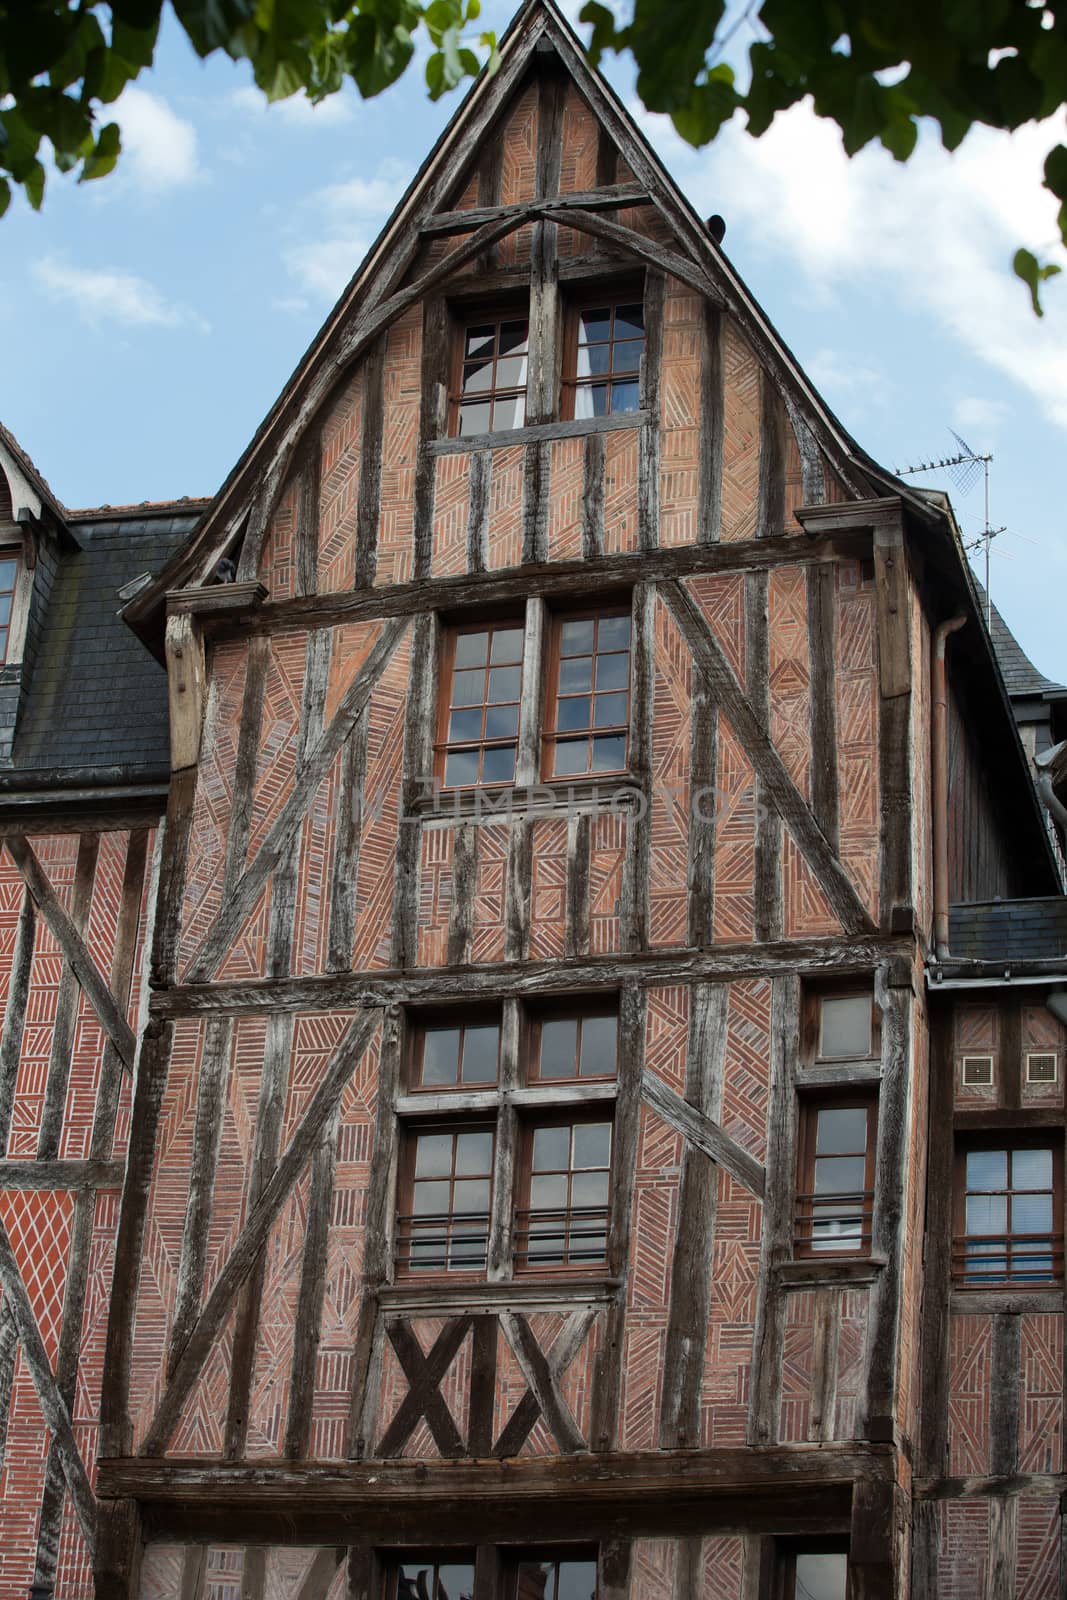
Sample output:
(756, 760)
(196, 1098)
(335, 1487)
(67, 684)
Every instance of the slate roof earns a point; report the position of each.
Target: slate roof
(96, 700)
(1009, 931)
(1020, 675)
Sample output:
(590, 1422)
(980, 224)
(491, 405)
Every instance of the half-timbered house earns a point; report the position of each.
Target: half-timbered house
(596, 1123)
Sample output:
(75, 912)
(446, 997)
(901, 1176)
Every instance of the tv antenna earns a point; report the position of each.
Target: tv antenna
(965, 468)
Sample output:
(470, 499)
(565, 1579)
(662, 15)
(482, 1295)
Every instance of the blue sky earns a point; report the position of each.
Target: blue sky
(147, 322)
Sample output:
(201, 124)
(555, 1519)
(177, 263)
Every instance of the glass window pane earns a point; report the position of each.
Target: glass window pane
(987, 1169)
(822, 1575)
(845, 1025)
(511, 372)
(840, 1174)
(504, 683)
(473, 418)
(468, 687)
(577, 1581)
(629, 321)
(510, 412)
(613, 672)
(477, 377)
(481, 1049)
(514, 336)
(470, 649)
(8, 574)
(1031, 1169)
(841, 1130)
(589, 1189)
(431, 1198)
(502, 722)
(598, 1047)
(548, 1192)
(583, 402)
(592, 1144)
(609, 755)
(464, 726)
(986, 1213)
(598, 394)
(559, 1048)
(471, 1195)
(627, 355)
(576, 637)
(551, 1149)
(506, 646)
(535, 1581)
(594, 325)
(480, 341)
(593, 360)
(624, 397)
(456, 1582)
(474, 1151)
(5, 609)
(498, 764)
(461, 767)
(611, 710)
(572, 757)
(572, 712)
(613, 633)
(440, 1056)
(433, 1155)
(576, 675)
(1031, 1213)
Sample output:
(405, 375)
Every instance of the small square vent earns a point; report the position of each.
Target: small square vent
(1041, 1067)
(977, 1072)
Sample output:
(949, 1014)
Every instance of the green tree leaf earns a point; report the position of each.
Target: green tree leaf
(1034, 273)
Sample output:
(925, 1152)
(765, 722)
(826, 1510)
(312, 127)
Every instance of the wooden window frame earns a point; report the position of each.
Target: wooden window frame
(557, 1554)
(1011, 1140)
(551, 735)
(415, 1040)
(434, 1558)
(805, 1207)
(13, 629)
(565, 1009)
(411, 1132)
(443, 746)
(612, 295)
(562, 1116)
(811, 1023)
(785, 1562)
(462, 322)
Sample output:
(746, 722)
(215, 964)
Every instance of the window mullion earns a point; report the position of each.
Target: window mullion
(500, 1223)
(528, 759)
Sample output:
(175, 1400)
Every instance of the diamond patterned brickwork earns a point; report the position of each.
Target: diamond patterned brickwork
(577, 168)
(451, 497)
(339, 466)
(671, 730)
(741, 435)
(679, 479)
(790, 672)
(400, 433)
(518, 161)
(57, 855)
(970, 1344)
(732, 1315)
(857, 730)
(505, 508)
(38, 1225)
(798, 1368)
(567, 481)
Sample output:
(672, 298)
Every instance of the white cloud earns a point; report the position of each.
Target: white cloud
(345, 219)
(835, 372)
(158, 147)
(296, 112)
(111, 296)
(976, 412)
(939, 231)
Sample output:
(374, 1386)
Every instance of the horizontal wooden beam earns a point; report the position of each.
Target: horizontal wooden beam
(537, 433)
(81, 1177)
(611, 198)
(1027, 1485)
(585, 576)
(809, 957)
(595, 1478)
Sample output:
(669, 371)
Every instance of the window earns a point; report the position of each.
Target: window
(549, 1578)
(9, 577)
(835, 1176)
(489, 392)
(555, 1210)
(427, 1578)
(845, 1026)
(478, 724)
(1009, 1199)
(588, 713)
(602, 362)
(813, 1574)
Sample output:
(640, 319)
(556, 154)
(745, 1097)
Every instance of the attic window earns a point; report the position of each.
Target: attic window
(602, 361)
(9, 577)
(489, 387)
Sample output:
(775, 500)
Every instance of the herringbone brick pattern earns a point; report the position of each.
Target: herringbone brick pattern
(746, 1076)
(519, 160)
(214, 799)
(721, 597)
(287, 1571)
(581, 130)
(620, 492)
(277, 566)
(548, 888)
(798, 1368)
(724, 1569)
(666, 1034)
(857, 730)
(807, 911)
(652, 1569)
(679, 479)
(732, 1315)
(385, 745)
(735, 839)
(853, 1307)
(339, 467)
(268, 1404)
(659, 1155)
(605, 881)
(435, 895)
(969, 1374)
(505, 508)
(1041, 1397)
(451, 492)
(202, 1428)
(790, 672)
(741, 436)
(1041, 1032)
(1038, 1547)
(567, 477)
(400, 435)
(671, 711)
(487, 933)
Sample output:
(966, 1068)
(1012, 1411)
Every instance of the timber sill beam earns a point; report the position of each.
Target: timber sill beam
(704, 1134)
(79, 1177)
(217, 599)
(612, 198)
(839, 516)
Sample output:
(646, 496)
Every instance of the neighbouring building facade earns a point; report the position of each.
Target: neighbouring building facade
(534, 960)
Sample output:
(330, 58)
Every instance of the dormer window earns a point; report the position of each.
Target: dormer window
(489, 394)
(9, 577)
(602, 362)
